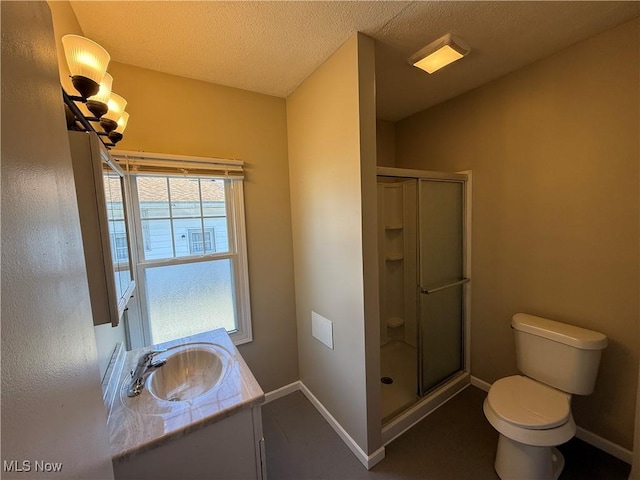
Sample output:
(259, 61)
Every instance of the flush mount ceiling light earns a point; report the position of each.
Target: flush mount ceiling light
(440, 53)
(88, 63)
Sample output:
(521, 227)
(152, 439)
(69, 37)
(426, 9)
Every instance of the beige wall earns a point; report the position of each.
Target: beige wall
(369, 199)
(52, 406)
(64, 22)
(635, 470)
(326, 202)
(171, 114)
(386, 143)
(554, 150)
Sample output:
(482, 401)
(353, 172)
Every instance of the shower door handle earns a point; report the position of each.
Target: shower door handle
(443, 287)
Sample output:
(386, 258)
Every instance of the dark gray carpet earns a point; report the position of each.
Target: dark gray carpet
(455, 442)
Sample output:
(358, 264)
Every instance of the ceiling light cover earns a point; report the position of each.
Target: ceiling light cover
(440, 53)
(117, 105)
(85, 57)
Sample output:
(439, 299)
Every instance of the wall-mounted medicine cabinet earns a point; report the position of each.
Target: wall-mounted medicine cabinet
(100, 188)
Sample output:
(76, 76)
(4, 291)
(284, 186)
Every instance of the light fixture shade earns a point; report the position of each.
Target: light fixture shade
(122, 123)
(117, 105)
(104, 93)
(85, 57)
(116, 135)
(440, 53)
(98, 103)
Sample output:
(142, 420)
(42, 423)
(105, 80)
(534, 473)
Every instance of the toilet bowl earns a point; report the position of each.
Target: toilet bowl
(532, 412)
(531, 418)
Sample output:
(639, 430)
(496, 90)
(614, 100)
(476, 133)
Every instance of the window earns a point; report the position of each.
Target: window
(120, 247)
(190, 249)
(196, 244)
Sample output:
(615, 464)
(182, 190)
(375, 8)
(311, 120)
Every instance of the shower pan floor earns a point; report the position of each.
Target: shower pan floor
(398, 361)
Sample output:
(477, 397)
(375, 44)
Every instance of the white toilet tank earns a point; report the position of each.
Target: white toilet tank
(560, 355)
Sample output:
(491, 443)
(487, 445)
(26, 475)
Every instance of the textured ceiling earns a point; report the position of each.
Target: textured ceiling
(272, 46)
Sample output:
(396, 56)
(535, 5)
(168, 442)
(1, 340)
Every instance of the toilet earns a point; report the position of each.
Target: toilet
(532, 412)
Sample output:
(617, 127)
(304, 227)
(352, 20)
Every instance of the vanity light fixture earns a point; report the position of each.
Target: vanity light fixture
(88, 63)
(440, 53)
(98, 104)
(116, 135)
(109, 120)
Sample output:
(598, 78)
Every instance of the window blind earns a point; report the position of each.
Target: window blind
(146, 163)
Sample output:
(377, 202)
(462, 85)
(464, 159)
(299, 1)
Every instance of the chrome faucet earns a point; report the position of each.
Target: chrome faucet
(146, 366)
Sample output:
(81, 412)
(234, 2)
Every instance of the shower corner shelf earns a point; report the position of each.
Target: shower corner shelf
(395, 322)
(394, 257)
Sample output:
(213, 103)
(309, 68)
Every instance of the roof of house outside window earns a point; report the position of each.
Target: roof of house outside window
(154, 189)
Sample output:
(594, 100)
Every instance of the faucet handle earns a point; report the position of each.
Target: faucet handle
(157, 363)
(146, 358)
(149, 355)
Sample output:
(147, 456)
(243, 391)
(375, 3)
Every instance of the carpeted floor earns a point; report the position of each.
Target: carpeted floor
(455, 442)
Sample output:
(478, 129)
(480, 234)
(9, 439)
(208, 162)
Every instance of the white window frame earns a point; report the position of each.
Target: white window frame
(138, 330)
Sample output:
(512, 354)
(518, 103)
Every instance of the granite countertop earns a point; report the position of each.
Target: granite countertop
(137, 424)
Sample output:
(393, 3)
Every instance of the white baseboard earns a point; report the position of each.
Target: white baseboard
(281, 392)
(481, 384)
(592, 439)
(605, 445)
(367, 460)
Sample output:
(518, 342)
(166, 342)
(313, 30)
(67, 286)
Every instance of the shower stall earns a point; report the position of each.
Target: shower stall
(423, 241)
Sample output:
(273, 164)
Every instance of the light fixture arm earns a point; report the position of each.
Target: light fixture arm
(85, 122)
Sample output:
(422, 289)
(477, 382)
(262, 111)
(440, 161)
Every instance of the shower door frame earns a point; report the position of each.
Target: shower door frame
(465, 179)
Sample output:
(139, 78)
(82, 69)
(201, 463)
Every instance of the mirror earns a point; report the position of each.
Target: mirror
(115, 201)
(101, 193)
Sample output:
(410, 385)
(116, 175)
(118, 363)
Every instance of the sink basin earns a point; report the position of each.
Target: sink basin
(189, 372)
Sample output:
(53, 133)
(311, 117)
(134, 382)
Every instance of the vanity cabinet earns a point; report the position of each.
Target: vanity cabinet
(214, 435)
(100, 189)
(230, 449)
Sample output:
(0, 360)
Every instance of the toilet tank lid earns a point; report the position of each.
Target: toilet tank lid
(560, 332)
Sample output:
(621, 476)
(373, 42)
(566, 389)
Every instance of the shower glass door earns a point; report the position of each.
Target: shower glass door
(441, 277)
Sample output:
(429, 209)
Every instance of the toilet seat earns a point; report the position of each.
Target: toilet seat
(546, 408)
(525, 403)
